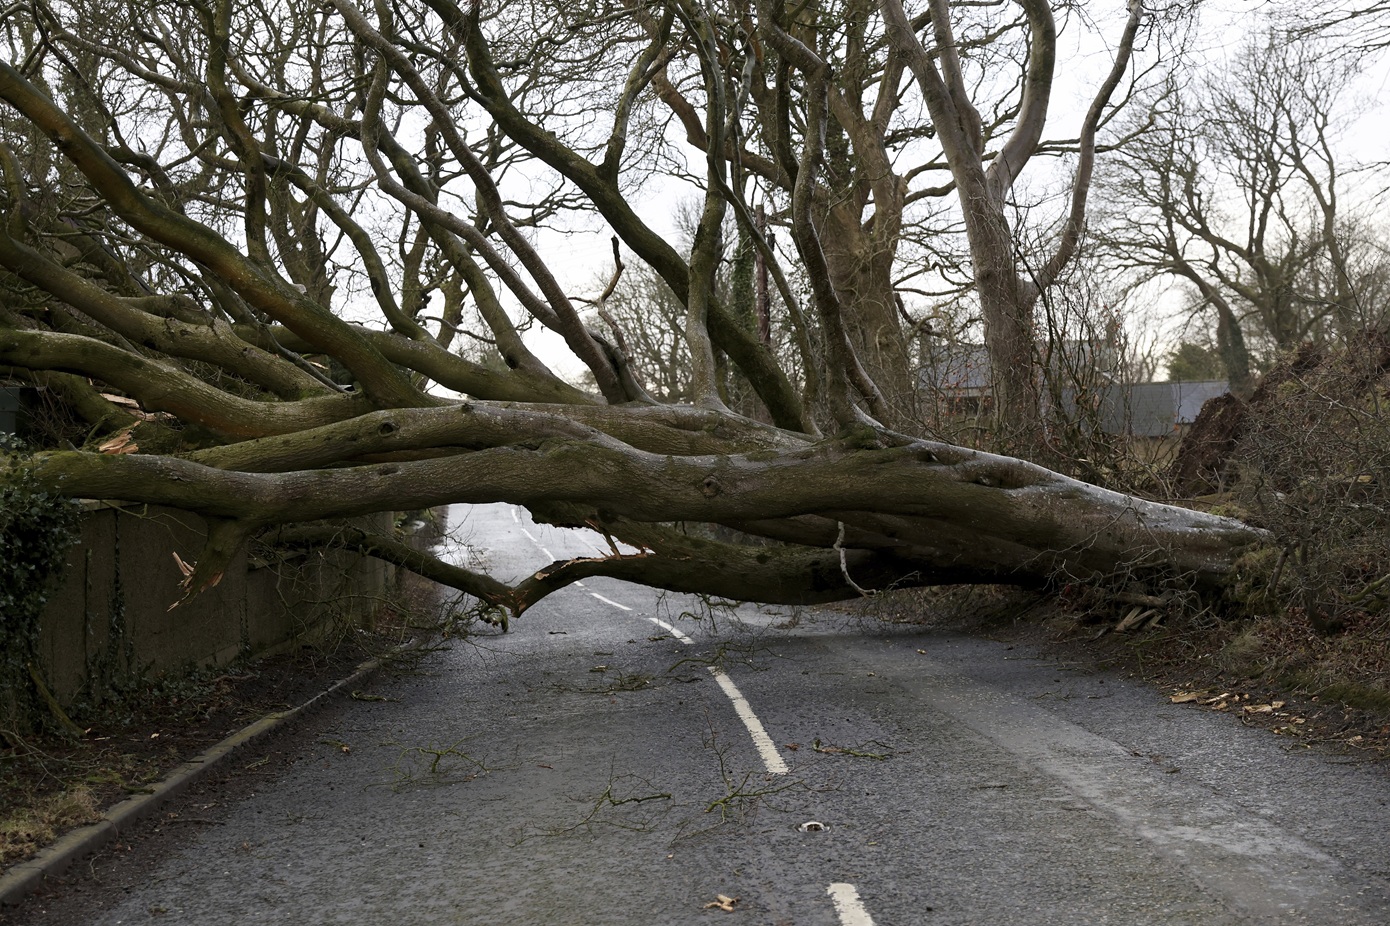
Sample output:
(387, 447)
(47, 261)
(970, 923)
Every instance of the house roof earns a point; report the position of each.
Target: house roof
(1140, 409)
(1158, 409)
(964, 369)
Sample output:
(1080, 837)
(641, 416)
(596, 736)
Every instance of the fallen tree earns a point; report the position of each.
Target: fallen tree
(244, 245)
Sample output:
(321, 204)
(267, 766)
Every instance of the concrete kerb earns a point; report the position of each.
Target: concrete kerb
(26, 877)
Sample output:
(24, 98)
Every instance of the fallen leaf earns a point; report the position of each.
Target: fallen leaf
(722, 903)
(1258, 709)
(1186, 697)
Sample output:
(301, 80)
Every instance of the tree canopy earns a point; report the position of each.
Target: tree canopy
(280, 258)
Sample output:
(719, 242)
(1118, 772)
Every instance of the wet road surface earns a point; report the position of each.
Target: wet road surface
(627, 757)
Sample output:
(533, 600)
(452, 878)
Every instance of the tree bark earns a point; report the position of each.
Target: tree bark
(923, 512)
(190, 282)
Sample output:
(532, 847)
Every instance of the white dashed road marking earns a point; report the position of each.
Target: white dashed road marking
(766, 748)
(845, 897)
(776, 765)
(849, 906)
(671, 630)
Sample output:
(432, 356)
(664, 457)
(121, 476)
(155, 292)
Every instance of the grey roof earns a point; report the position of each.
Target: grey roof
(1192, 396)
(1141, 409)
(1159, 409)
(1151, 409)
(964, 369)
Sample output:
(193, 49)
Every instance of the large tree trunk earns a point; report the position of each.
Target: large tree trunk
(1006, 306)
(873, 511)
(861, 270)
(175, 280)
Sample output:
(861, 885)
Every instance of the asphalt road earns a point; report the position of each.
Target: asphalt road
(626, 757)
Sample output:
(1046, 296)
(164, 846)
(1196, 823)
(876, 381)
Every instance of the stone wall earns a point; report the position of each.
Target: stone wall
(110, 620)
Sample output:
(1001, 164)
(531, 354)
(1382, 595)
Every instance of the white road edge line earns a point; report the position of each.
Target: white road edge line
(610, 601)
(848, 905)
(771, 758)
(671, 630)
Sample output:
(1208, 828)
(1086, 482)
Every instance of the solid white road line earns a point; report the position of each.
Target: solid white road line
(547, 552)
(844, 896)
(766, 748)
(848, 905)
(671, 630)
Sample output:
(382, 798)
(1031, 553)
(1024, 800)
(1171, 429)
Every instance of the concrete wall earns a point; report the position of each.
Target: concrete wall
(110, 617)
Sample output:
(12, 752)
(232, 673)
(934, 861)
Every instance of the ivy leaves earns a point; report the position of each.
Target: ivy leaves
(36, 529)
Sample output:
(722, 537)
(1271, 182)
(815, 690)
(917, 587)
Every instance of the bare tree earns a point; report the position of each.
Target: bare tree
(262, 225)
(1236, 187)
(985, 179)
(1353, 28)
